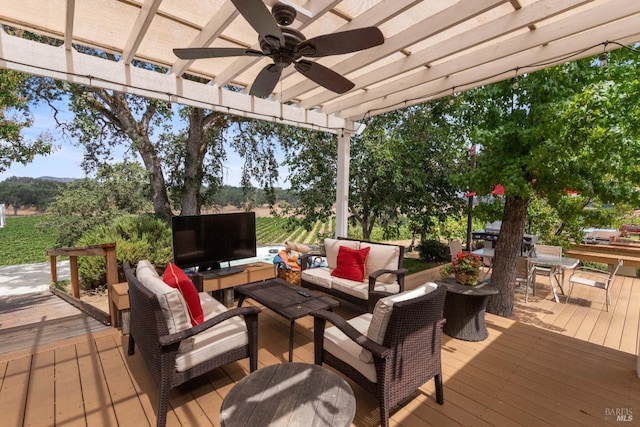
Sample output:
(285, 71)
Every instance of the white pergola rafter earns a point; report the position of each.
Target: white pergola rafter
(431, 49)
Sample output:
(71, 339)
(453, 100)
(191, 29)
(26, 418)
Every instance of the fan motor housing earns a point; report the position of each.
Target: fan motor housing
(284, 55)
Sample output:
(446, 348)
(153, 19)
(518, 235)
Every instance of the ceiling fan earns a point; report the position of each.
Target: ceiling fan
(287, 46)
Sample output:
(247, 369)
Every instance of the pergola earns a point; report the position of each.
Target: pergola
(432, 49)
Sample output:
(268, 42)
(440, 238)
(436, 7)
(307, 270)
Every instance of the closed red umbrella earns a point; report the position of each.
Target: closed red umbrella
(498, 190)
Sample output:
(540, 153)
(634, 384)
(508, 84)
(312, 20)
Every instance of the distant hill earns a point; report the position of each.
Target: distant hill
(55, 178)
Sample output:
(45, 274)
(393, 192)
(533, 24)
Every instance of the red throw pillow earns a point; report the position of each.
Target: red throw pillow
(176, 278)
(351, 263)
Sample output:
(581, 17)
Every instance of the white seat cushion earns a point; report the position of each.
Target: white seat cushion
(382, 314)
(361, 289)
(174, 307)
(230, 334)
(382, 257)
(318, 276)
(338, 344)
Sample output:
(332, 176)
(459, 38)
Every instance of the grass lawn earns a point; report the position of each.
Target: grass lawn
(414, 265)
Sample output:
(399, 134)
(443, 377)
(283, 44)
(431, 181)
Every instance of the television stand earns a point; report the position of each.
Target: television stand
(222, 272)
(250, 272)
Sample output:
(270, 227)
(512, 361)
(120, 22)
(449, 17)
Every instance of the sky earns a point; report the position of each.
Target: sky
(66, 159)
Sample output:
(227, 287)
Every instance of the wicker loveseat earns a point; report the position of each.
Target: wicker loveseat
(173, 350)
(383, 272)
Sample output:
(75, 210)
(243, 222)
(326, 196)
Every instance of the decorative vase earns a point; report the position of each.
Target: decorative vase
(467, 278)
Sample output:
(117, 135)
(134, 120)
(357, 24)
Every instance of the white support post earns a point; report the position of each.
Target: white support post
(342, 183)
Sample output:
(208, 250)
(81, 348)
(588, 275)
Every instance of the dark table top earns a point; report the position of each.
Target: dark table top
(481, 289)
(283, 298)
(289, 394)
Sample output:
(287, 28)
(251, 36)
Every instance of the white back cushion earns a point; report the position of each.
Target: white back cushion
(332, 246)
(174, 307)
(381, 257)
(382, 314)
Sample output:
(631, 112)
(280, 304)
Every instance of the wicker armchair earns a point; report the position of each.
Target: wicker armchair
(403, 356)
(160, 349)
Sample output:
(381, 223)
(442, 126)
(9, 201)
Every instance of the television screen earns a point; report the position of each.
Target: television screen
(205, 241)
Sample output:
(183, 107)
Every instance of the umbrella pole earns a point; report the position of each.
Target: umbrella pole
(472, 157)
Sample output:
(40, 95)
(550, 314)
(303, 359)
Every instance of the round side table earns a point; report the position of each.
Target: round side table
(464, 310)
(289, 394)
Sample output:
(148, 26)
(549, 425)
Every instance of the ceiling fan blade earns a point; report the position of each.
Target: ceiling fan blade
(265, 82)
(324, 76)
(259, 17)
(214, 52)
(341, 42)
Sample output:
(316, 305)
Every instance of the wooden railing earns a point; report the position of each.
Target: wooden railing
(107, 250)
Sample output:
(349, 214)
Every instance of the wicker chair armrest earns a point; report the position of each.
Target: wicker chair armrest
(399, 274)
(362, 340)
(304, 259)
(170, 339)
(378, 273)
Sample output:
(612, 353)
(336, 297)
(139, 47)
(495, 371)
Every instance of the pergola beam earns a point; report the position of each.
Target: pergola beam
(58, 63)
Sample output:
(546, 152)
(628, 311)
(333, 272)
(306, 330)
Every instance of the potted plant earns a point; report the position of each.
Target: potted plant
(466, 268)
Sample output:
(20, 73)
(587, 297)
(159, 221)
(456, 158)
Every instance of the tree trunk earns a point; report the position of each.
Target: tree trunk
(506, 255)
(195, 149)
(136, 128)
(160, 199)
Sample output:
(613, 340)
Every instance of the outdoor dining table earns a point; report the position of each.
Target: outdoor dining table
(557, 267)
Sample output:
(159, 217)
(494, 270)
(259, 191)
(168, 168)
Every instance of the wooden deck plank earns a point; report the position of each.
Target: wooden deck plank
(97, 401)
(630, 332)
(40, 405)
(68, 393)
(124, 398)
(13, 394)
(619, 307)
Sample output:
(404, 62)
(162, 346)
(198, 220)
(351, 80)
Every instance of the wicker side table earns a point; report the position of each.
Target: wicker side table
(464, 310)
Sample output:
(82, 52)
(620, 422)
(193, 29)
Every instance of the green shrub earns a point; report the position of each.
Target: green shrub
(433, 251)
(136, 238)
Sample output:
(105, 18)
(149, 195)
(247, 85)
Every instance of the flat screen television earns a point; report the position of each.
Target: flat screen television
(208, 241)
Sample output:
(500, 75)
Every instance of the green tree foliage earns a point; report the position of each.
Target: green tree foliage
(399, 167)
(86, 203)
(14, 118)
(570, 127)
(22, 192)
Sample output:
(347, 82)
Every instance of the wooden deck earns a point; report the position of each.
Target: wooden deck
(553, 364)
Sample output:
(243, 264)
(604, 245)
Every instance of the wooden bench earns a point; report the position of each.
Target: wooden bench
(607, 254)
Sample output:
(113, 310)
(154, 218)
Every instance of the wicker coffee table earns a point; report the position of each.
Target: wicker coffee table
(464, 309)
(284, 298)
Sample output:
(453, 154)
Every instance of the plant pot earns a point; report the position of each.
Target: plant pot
(467, 278)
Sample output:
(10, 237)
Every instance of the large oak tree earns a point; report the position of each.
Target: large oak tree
(570, 127)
